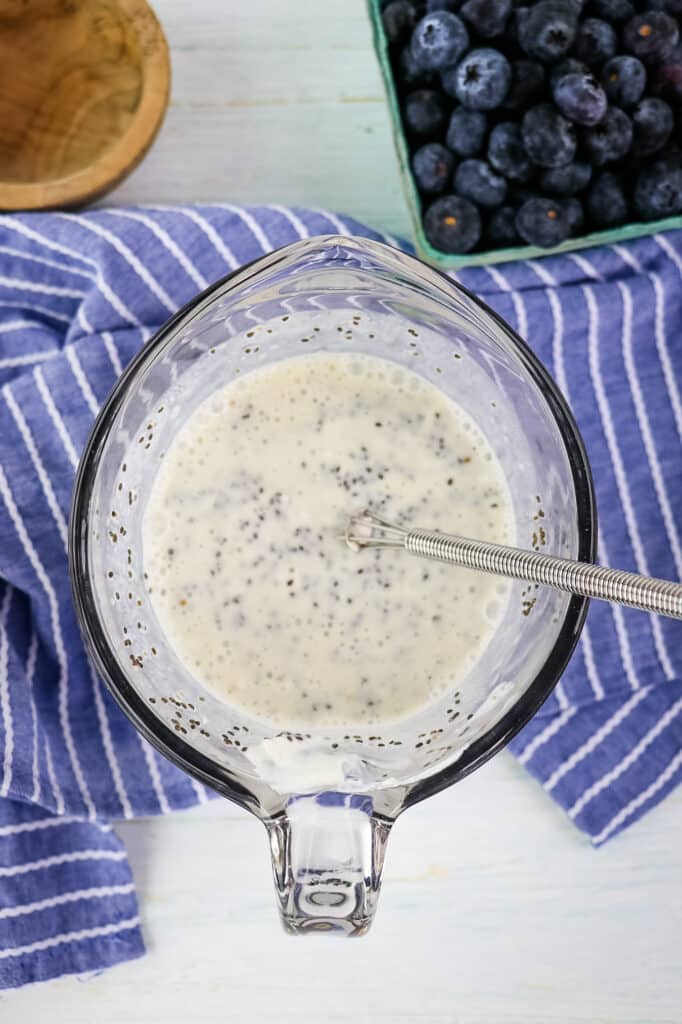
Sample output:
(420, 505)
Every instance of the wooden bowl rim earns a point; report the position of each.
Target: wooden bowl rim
(116, 162)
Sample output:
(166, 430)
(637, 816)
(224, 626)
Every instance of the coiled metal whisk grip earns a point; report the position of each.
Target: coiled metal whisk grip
(662, 597)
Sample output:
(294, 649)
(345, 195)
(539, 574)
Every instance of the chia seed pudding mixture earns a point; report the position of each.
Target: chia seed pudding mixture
(247, 574)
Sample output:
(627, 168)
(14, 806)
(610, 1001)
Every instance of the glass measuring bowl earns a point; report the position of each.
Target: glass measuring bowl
(329, 796)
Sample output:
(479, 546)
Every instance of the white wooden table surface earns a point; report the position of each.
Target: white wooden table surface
(495, 910)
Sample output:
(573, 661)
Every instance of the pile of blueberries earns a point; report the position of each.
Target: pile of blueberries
(541, 121)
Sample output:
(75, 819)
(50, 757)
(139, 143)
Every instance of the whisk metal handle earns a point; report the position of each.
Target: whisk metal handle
(663, 597)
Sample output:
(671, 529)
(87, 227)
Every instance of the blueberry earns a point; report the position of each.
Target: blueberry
(467, 131)
(548, 137)
(567, 66)
(667, 77)
(425, 112)
(448, 82)
(482, 79)
(651, 36)
(501, 229)
(487, 18)
(610, 140)
(673, 7)
(670, 157)
(527, 84)
(515, 28)
(452, 224)
(658, 191)
(442, 5)
(432, 166)
(399, 18)
(624, 80)
(408, 75)
(506, 152)
(580, 98)
(438, 40)
(596, 41)
(476, 180)
(652, 123)
(606, 202)
(575, 214)
(613, 11)
(542, 222)
(566, 180)
(549, 29)
(673, 148)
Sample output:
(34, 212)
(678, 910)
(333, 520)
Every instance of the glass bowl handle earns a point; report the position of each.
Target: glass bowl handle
(327, 856)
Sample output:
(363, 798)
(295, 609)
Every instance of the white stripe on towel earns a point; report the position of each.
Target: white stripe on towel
(96, 892)
(59, 940)
(632, 756)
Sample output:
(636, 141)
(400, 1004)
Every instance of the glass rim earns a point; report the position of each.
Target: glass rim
(162, 737)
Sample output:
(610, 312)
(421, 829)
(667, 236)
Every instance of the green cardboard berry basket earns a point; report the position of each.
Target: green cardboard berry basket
(445, 260)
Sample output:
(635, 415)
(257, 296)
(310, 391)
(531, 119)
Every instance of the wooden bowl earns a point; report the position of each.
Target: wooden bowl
(83, 90)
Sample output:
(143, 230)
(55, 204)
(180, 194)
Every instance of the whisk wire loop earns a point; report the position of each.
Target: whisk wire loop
(662, 597)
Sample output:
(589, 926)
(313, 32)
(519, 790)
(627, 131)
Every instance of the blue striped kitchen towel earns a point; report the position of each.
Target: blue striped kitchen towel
(78, 296)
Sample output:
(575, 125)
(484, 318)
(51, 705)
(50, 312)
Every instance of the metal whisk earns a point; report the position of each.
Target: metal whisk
(663, 597)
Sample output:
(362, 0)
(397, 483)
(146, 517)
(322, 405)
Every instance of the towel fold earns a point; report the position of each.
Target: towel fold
(79, 294)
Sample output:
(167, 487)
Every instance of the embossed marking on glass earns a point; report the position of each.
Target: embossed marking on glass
(328, 795)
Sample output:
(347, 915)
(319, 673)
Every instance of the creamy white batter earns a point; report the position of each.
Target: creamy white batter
(248, 578)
